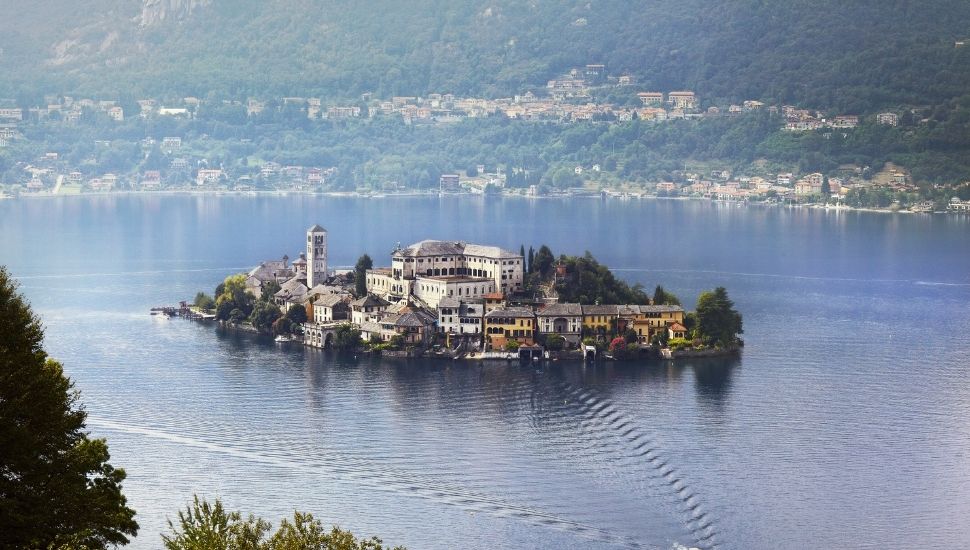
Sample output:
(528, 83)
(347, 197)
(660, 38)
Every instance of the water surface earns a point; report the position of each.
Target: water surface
(844, 424)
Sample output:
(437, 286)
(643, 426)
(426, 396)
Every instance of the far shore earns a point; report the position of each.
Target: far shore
(612, 195)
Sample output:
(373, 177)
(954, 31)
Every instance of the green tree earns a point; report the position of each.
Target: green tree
(512, 345)
(268, 291)
(204, 302)
(717, 321)
(346, 337)
(297, 314)
(231, 295)
(204, 526)
(543, 261)
(57, 488)
(264, 315)
(663, 298)
(360, 275)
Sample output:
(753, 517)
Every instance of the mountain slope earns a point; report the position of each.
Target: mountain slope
(848, 56)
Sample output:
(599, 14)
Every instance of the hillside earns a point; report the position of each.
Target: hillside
(844, 56)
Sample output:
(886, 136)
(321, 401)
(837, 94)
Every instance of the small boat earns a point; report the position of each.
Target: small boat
(281, 339)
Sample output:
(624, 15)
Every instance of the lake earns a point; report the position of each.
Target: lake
(844, 423)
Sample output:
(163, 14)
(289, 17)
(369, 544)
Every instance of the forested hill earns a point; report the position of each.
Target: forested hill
(855, 56)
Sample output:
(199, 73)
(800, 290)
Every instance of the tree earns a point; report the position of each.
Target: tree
(297, 314)
(717, 321)
(57, 488)
(264, 315)
(231, 295)
(543, 261)
(268, 291)
(512, 345)
(204, 526)
(531, 265)
(346, 337)
(204, 302)
(555, 342)
(360, 275)
(663, 298)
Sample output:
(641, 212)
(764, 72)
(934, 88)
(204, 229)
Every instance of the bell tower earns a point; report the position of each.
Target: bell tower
(316, 256)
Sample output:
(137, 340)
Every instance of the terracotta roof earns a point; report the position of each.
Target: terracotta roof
(677, 327)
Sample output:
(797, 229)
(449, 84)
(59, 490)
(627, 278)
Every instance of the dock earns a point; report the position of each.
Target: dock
(183, 310)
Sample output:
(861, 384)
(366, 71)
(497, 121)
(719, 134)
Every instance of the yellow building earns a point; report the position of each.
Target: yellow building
(600, 320)
(512, 323)
(652, 319)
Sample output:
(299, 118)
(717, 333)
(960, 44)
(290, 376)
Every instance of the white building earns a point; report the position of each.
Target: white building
(449, 259)
(316, 253)
(460, 317)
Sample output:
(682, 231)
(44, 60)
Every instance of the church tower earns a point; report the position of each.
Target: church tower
(316, 256)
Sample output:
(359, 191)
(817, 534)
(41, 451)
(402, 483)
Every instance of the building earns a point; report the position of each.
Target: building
(171, 143)
(600, 320)
(652, 319)
(116, 113)
(12, 114)
(682, 100)
(510, 323)
(448, 183)
(651, 99)
(889, 119)
(330, 308)
(565, 320)
(205, 176)
(367, 309)
(430, 270)
(316, 253)
(461, 317)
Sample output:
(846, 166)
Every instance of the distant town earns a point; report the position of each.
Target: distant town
(566, 100)
(452, 299)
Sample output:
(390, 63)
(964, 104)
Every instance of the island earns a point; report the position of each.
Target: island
(453, 299)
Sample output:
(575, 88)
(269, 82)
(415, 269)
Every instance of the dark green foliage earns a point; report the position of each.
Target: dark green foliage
(826, 53)
(663, 298)
(588, 282)
(268, 291)
(360, 275)
(543, 261)
(718, 323)
(205, 526)
(264, 315)
(555, 342)
(297, 315)
(57, 488)
(346, 337)
(204, 302)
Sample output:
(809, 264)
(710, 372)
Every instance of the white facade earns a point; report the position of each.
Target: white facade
(446, 259)
(316, 254)
(432, 289)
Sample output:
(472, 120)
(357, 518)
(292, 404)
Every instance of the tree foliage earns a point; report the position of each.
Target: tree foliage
(360, 275)
(205, 526)
(57, 488)
(718, 323)
(233, 302)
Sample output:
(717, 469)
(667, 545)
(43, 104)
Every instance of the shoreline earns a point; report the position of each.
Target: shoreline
(418, 194)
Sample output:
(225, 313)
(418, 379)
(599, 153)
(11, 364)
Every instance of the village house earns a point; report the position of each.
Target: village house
(888, 119)
(510, 323)
(461, 318)
(682, 100)
(330, 308)
(367, 309)
(205, 176)
(565, 320)
(651, 99)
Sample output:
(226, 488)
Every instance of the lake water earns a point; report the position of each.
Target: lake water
(844, 424)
